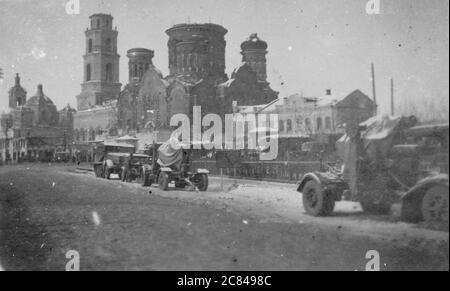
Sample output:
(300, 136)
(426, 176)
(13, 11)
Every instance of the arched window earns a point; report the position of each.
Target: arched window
(88, 72)
(289, 125)
(90, 47)
(281, 125)
(319, 123)
(308, 124)
(108, 72)
(328, 122)
(108, 44)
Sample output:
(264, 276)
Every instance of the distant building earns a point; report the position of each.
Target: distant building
(300, 116)
(33, 129)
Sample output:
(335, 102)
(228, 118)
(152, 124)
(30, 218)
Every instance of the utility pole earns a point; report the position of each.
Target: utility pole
(392, 98)
(374, 89)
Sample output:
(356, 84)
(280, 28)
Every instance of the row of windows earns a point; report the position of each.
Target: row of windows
(287, 126)
(108, 73)
(84, 135)
(108, 45)
(17, 144)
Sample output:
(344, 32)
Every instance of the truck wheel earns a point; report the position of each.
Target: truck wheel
(435, 204)
(98, 172)
(144, 180)
(108, 174)
(163, 181)
(316, 201)
(202, 184)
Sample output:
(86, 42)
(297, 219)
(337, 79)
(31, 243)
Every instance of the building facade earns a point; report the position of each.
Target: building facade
(33, 129)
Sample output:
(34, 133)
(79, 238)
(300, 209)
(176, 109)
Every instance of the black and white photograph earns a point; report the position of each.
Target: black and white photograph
(224, 140)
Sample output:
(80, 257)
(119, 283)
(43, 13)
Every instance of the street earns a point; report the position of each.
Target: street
(47, 210)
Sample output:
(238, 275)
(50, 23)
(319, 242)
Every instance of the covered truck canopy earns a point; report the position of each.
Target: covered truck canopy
(378, 135)
(170, 153)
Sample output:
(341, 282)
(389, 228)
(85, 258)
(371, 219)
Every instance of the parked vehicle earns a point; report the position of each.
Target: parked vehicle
(137, 167)
(383, 165)
(109, 158)
(172, 164)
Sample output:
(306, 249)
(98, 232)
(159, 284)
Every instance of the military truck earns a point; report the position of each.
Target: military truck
(108, 158)
(172, 164)
(136, 167)
(386, 160)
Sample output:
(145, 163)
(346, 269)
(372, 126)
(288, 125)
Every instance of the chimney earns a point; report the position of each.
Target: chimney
(328, 92)
(17, 79)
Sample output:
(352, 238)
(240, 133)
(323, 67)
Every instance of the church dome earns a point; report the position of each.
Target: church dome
(39, 98)
(254, 43)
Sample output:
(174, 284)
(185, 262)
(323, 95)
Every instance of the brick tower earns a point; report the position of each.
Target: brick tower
(101, 63)
(254, 52)
(197, 51)
(139, 61)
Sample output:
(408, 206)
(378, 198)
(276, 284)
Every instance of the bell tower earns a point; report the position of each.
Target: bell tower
(101, 63)
(17, 94)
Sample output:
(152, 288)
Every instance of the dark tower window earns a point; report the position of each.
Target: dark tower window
(88, 72)
(90, 45)
(98, 23)
(108, 45)
(108, 72)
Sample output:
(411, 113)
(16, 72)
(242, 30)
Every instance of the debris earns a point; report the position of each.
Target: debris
(245, 222)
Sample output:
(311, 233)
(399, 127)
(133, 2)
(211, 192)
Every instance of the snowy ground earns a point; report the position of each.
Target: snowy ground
(248, 225)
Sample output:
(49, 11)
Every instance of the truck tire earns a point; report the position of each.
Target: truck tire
(202, 184)
(163, 181)
(98, 172)
(317, 202)
(435, 204)
(107, 173)
(144, 179)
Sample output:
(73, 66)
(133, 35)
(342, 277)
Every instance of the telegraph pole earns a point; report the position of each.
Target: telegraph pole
(374, 88)
(392, 98)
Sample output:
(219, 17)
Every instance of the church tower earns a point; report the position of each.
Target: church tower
(254, 52)
(139, 61)
(101, 63)
(17, 94)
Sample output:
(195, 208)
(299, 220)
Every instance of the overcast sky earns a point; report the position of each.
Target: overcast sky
(313, 44)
